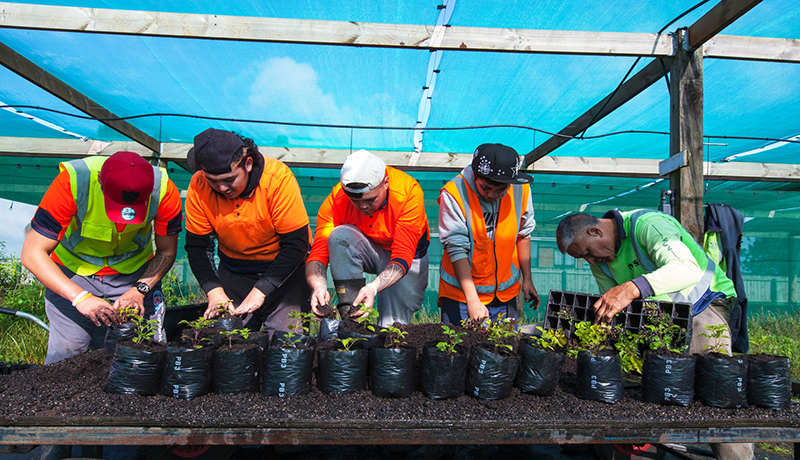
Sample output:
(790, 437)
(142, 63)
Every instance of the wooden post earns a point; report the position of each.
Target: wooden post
(686, 134)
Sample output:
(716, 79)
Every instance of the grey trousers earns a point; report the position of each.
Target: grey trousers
(352, 254)
(718, 313)
(71, 333)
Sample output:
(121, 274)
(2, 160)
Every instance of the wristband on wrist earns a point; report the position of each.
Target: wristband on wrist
(80, 298)
(374, 289)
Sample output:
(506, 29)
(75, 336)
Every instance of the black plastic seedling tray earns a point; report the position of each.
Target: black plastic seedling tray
(565, 308)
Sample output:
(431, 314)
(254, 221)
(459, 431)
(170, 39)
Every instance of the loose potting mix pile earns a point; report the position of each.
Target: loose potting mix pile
(73, 391)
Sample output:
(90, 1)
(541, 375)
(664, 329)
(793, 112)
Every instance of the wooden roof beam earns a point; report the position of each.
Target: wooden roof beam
(718, 18)
(40, 77)
(430, 161)
(753, 48)
(347, 33)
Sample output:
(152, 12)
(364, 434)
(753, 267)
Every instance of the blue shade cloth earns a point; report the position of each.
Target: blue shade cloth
(336, 85)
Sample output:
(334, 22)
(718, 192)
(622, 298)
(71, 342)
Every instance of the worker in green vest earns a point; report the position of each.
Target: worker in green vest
(92, 246)
(646, 254)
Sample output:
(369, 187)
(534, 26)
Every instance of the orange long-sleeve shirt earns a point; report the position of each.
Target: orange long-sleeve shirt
(400, 226)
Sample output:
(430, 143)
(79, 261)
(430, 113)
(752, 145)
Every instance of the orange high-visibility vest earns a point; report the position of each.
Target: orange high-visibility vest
(495, 264)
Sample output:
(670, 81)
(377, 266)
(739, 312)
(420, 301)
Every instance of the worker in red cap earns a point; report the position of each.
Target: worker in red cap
(250, 206)
(92, 243)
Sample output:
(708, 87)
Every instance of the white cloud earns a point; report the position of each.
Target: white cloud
(290, 91)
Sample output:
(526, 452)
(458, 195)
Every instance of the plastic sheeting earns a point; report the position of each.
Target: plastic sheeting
(317, 84)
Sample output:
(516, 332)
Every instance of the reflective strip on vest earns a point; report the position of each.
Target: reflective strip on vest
(649, 266)
(83, 177)
(461, 185)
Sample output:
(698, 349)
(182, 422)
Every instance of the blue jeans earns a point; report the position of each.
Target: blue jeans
(453, 311)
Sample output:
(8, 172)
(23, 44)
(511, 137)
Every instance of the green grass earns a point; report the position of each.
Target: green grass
(21, 341)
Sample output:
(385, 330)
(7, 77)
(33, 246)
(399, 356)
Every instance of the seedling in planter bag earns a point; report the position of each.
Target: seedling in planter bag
(627, 344)
(297, 330)
(243, 333)
(196, 326)
(501, 332)
(661, 333)
(222, 312)
(347, 343)
(123, 328)
(144, 329)
(599, 371)
(395, 336)
(716, 334)
(550, 339)
(591, 337)
(452, 338)
(369, 319)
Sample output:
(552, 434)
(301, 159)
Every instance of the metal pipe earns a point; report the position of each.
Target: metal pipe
(28, 316)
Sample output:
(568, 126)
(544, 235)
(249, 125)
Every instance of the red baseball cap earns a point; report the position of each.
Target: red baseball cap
(127, 182)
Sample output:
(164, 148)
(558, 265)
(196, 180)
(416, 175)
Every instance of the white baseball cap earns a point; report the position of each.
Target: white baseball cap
(362, 171)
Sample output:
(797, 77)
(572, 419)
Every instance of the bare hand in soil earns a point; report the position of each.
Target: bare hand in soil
(131, 299)
(217, 298)
(325, 311)
(366, 296)
(98, 310)
(477, 310)
(614, 301)
(319, 297)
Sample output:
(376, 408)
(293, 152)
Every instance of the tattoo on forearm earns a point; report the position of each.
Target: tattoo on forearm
(316, 272)
(158, 266)
(390, 275)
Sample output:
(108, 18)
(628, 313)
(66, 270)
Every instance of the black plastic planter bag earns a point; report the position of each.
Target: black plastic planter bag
(539, 370)
(260, 338)
(391, 372)
(328, 329)
(668, 380)
(118, 333)
(287, 371)
(443, 375)
(769, 383)
(187, 372)
(378, 339)
(342, 371)
(599, 376)
(235, 371)
(491, 375)
(228, 324)
(135, 371)
(721, 381)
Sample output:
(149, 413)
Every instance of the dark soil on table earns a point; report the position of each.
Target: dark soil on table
(73, 389)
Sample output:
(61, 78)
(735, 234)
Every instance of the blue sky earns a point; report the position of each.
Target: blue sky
(15, 216)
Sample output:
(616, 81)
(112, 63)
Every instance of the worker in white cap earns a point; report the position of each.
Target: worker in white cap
(373, 221)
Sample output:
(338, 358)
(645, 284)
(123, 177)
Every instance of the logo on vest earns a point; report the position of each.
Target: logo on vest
(635, 263)
(127, 213)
